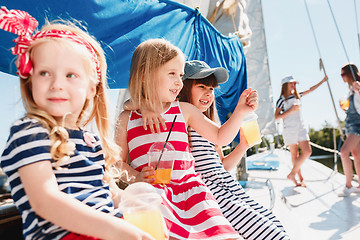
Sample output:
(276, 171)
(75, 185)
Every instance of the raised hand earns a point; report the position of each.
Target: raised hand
(249, 100)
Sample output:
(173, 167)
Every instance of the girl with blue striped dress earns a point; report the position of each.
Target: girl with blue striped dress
(250, 219)
(56, 169)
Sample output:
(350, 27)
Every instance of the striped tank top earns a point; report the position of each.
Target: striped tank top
(250, 219)
(189, 209)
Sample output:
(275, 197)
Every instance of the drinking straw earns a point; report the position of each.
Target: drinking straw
(167, 138)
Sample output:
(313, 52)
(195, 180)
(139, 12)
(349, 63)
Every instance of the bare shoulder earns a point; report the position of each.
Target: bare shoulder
(124, 116)
(120, 136)
(185, 106)
(122, 122)
(187, 109)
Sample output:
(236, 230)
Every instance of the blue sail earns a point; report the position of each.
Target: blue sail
(121, 25)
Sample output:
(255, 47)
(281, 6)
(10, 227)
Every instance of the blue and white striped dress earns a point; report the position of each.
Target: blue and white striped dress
(250, 219)
(80, 177)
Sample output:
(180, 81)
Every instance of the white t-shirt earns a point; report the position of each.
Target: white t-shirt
(357, 101)
(294, 121)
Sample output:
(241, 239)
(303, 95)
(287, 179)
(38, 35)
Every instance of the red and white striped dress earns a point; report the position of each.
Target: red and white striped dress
(189, 208)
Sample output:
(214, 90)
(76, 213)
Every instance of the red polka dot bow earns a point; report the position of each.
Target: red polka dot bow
(23, 24)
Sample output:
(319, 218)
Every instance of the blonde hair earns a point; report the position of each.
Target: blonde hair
(96, 109)
(285, 92)
(148, 56)
(351, 70)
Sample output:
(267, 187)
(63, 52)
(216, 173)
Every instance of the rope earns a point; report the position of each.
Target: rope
(312, 28)
(323, 68)
(324, 148)
(327, 149)
(342, 42)
(338, 31)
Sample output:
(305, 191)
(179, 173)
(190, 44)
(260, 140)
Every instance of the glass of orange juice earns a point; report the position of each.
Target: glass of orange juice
(162, 161)
(251, 129)
(140, 205)
(344, 103)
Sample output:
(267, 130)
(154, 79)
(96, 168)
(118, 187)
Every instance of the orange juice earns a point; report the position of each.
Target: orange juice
(163, 168)
(344, 104)
(251, 132)
(149, 221)
(163, 176)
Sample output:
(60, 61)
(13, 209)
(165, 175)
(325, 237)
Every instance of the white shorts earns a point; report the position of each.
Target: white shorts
(293, 137)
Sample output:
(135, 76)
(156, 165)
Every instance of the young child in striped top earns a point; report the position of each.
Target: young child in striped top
(189, 209)
(55, 168)
(251, 220)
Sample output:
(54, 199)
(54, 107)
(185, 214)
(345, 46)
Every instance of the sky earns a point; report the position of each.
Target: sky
(291, 50)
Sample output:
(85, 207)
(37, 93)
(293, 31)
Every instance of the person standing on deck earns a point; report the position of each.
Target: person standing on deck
(350, 74)
(295, 134)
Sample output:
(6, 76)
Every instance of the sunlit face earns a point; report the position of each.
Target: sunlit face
(291, 87)
(60, 84)
(169, 76)
(202, 96)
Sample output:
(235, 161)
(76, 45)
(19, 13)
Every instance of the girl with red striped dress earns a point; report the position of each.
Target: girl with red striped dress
(189, 209)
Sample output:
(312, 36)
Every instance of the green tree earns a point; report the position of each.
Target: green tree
(324, 137)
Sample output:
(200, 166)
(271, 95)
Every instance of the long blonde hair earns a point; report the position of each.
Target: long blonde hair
(96, 109)
(148, 56)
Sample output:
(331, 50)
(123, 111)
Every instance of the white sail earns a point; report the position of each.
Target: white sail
(258, 68)
(229, 18)
(245, 19)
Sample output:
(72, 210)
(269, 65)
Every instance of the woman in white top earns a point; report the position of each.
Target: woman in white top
(295, 134)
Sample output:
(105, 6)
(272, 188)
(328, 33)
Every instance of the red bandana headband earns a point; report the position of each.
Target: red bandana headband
(23, 24)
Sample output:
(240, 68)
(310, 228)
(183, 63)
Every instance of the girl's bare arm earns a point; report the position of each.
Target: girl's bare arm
(223, 135)
(313, 88)
(232, 159)
(121, 139)
(151, 119)
(280, 115)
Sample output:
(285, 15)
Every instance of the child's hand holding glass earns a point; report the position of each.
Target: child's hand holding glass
(147, 175)
(249, 101)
